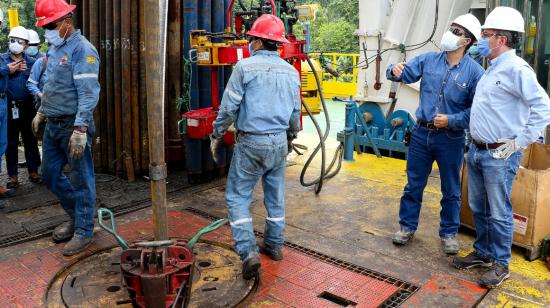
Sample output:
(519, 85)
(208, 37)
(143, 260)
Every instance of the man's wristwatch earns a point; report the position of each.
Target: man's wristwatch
(81, 129)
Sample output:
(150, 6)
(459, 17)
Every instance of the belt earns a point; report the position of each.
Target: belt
(486, 146)
(429, 125)
(61, 118)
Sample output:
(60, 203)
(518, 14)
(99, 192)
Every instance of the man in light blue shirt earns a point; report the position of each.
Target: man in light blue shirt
(509, 111)
(262, 99)
(447, 88)
(70, 96)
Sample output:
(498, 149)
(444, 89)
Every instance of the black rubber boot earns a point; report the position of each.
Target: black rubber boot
(251, 267)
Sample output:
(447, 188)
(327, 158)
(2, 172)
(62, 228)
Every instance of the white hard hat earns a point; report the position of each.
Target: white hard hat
(470, 23)
(19, 32)
(505, 18)
(34, 38)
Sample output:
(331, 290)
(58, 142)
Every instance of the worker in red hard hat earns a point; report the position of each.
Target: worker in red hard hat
(262, 99)
(69, 98)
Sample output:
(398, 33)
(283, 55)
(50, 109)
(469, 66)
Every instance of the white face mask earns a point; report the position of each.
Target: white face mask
(449, 42)
(16, 48)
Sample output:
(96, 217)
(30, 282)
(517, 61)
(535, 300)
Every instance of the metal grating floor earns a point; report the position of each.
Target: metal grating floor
(405, 291)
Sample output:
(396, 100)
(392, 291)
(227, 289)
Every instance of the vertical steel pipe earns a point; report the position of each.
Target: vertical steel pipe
(193, 147)
(155, 44)
(126, 86)
(175, 155)
(109, 81)
(117, 90)
(134, 47)
(143, 89)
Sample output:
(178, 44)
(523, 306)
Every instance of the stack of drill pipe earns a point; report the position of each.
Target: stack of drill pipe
(117, 29)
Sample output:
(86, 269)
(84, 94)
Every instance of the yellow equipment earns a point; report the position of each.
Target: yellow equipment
(13, 16)
(228, 52)
(345, 84)
(310, 92)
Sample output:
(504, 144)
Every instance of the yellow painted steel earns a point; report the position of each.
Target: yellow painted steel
(310, 91)
(13, 17)
(345, 84)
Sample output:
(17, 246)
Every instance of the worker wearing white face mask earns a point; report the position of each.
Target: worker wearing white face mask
(509, 111)
(447, 88)
(20, 107)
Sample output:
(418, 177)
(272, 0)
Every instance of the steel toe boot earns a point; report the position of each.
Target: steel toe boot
(273, 254)
(495, 276)
(450, 245)
(251, 267)
(76, 245)
(470, 261)
(402, 237)
(63, 232)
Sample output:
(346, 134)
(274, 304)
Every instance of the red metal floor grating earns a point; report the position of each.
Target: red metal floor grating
(297, 281)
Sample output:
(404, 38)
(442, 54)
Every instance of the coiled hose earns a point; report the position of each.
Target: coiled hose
(325, 173)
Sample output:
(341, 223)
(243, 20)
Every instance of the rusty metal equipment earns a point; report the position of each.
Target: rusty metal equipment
(157, 273)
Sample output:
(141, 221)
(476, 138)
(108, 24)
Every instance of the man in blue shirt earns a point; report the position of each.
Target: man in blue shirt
(447, 88)
(34, 45)
(262, 99)
(69, 98)
(37, 79)
(21, 109)
(509, 111)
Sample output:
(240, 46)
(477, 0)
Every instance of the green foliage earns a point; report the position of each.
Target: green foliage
(333, 29)
(27, 19)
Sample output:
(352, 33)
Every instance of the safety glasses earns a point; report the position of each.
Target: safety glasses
(53, 25)
(488, 35)
(16, 40)
(457, 31)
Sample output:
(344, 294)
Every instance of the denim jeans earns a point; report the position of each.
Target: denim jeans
(77, 193)
(23, 126)
(446, 147)
(489, 187)
(255, 157)
(3, 128)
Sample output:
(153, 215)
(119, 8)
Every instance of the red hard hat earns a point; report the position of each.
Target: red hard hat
(48, 11)
(269, 27)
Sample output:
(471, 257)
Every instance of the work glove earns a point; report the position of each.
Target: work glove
(215, 144)
(77, 144)
(289, 138)
(38, 119)
(506, 150)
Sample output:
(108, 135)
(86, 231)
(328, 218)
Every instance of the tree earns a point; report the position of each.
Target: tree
(27, 19)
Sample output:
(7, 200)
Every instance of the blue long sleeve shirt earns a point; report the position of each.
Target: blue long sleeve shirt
(262, 96)
(16, 84)
(444, 89)
(73, 86)
(35, 84)
(509, 103)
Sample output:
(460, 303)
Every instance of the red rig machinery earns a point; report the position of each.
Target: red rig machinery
(227, 48)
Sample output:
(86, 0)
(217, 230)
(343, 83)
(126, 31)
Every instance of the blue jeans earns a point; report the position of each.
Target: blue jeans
(489, 187)
(77, 193)
(3, 128)
(446, 147)
(255, 157)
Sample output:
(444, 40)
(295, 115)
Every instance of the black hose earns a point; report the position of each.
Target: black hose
(325, 173)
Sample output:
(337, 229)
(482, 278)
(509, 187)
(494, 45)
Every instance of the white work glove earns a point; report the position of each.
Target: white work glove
(77, 144)
(506, 150)
(215, 144)
(38, 119)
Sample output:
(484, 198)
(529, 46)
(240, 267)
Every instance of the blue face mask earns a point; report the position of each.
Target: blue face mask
(474, 50)
(31, 51)
(53, 37)
(250, 48)
(483, 47)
